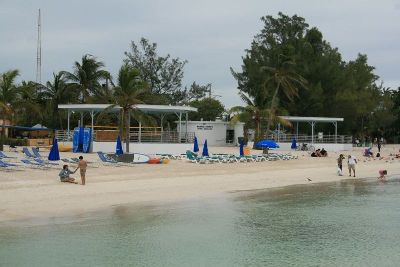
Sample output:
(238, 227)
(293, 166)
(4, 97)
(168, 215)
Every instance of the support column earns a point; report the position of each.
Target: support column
(162, 127)
(140, 132)
(312, 132)
(81, 120)
(92, 135)
(68, 129)
(180, 127)
(297, 131)
(279, 131)
(335, 123)
(186, 125)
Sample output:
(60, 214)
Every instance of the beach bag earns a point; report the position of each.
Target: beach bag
(339, 172)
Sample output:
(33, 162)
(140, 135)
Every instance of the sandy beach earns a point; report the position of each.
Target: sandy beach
(33, 193)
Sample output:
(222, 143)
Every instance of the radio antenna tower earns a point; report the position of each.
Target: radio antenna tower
(39, 52)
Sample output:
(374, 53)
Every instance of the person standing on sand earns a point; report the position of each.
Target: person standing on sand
(340, 164)
(82, 165)
(351, 163)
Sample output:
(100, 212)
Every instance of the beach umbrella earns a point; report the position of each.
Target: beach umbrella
(205, 149)
(241, 149)
(294, 144)
(54, 154)
(270, 144)
(196, 145)
(118, 150)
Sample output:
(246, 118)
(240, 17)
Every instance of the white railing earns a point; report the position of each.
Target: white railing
(135, 136)
(326, 139)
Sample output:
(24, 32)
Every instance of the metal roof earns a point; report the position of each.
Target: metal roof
(311, 119)
(145, 108)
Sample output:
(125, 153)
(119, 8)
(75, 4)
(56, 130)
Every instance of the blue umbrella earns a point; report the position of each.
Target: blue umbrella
(118, 150)
(294, 144)
(54, 153)
(205, 149)
(196, 145)
(241, 149)
(267, 144)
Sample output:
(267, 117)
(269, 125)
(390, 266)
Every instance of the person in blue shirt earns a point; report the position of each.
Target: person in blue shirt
(64, 175)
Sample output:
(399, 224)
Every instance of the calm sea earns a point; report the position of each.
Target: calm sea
(348, 223)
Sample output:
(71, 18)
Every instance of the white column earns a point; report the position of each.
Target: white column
(312, 132)
(180, 127)
(186, 126)
(335, 123)
(68, 134)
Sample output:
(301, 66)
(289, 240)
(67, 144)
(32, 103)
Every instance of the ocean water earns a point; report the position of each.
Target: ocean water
(347, 223)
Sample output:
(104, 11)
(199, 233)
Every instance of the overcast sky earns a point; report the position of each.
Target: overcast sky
(211, 34)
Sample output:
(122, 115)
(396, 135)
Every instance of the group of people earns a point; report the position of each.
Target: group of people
(351, 164)
(319, 153)
(66, 172)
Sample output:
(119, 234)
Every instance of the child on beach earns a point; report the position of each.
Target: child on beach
(382, 174)
(340, 164)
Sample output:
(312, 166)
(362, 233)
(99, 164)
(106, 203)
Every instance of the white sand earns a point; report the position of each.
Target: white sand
(39, 193)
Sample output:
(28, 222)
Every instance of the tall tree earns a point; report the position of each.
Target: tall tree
(334, 86)
(54, 93)
(282, 78)
(8, 94)
(129, 91)
(207, 109)
(164, 74)
(87, 76)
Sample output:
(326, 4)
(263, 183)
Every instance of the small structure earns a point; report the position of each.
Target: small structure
(37, 135)
(333, 142)
(217, 133)
(149, 140)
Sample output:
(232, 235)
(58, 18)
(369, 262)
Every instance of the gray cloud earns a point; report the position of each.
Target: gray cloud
(211, 35)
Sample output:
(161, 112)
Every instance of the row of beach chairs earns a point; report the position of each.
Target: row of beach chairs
(228, 158)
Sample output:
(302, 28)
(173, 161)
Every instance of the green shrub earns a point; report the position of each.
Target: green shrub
(15, 142)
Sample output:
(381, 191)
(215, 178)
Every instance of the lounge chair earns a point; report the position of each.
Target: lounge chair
(36, 152)
(92, 164)
(34, 164)
(48, 163)
(191, 157)
(9, 166)
(108, 161)
(27, 153)
(69, 161)
(4, 156)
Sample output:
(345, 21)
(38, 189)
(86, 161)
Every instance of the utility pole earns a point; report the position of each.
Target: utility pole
(39, 51)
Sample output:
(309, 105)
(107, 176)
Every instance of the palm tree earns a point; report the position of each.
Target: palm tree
(8, 93)
(286, 80)
(129, 92)
(255, 113)
(87, 76)
(55, 93)
(26, 104)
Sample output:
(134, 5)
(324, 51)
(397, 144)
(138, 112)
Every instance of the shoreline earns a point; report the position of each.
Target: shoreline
(38, 194)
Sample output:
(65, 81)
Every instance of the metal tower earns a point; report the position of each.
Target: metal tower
(39, 52)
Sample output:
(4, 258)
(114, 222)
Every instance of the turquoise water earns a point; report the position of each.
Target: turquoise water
(348, 223)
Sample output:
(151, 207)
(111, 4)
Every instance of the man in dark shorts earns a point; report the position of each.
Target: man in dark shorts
(82, 166)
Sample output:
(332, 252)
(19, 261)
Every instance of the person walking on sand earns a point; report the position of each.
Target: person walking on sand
(351, 163)
(82, 166)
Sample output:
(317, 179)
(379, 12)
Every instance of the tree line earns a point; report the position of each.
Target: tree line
(144, 78)
(290, 69)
